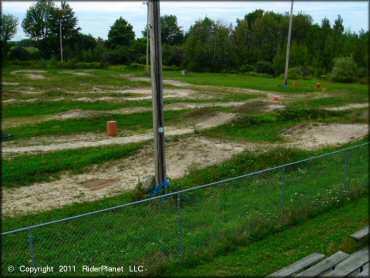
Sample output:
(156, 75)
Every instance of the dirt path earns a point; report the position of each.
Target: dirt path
(218, 119)
(192, 152)
(165, 81)
(114, 178)
(313, 136)
(31, 74)
(5, 83)
(348, 107)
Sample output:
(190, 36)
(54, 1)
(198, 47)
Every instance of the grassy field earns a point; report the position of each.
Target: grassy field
(214, 220)
(136, 122)
(326, 234)
(28, 169)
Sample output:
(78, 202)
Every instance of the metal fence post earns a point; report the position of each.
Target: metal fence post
(180, 225)
(346, 172)
(32, 248)
(282, 192)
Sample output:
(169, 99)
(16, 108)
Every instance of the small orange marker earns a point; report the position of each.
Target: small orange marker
(318, 85)
(276, 99)
(112, 128)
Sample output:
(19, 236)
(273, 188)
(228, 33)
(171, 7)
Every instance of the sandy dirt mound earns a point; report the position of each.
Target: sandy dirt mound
(79, 73)
(189, 105)
(176, 83)
(144, 94)
(113, 178)
(314, 136)
(254, 107)
(165, 81)
(9, 83)
(348, 107)
(12, 100)
(274, 107)
(218, 119)
(85, 99)
(167, 93)
(74, 114)
(26, 71)
(34, 76)
(93, 140)
(31, 74)
(27, 90)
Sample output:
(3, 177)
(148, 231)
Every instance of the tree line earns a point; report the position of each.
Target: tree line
(256, 44)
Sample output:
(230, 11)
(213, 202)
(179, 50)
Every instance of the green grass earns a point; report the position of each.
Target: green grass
(27, 169)
(336, 99)
(214, 220)
(241, 81)
(246, 162)
(56, 78)
(263, 83)
(48, 108)
(326, 233)
(126, 123)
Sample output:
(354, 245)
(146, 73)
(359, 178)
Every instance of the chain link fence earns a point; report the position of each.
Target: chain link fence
(179, 228)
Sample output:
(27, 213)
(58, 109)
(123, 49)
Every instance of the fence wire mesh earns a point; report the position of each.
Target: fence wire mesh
(184, 226)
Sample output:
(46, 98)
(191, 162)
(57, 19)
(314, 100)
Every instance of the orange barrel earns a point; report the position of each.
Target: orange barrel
(318, 85)
(112, 128)
(276, 99)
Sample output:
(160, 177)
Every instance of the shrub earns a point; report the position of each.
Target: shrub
(264, 67)
(170, 68)
(136, 67)
(117, 56)
(92, 65)
(344, 70)
(19, 53)
(300, 72)
(246, 68)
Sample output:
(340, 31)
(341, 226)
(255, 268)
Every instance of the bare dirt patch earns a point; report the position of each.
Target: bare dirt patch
(34, 76)
(218, 119)
(176, 83)
(95, 140)
(165, 81)
(255, 107)
(79, 73)
(12, 100)
(27, 90)
(26, 71)
(348, 107)
(74, 114)
(5, 83)
(30, 74)
(119, 176)
(98, 184)
(189, 105)
(315, 136)
(85, 99)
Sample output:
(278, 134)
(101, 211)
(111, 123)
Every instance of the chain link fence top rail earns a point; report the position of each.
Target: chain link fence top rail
(185, 226)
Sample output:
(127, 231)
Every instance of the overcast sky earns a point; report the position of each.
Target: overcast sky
(96, 17)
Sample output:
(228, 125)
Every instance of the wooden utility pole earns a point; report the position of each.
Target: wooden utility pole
(60, 40)
(288, 46)
(157, 91)
(147, 38)
(60, 31)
